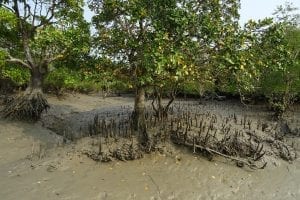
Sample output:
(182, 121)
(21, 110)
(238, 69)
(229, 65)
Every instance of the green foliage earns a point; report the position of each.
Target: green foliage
(149, 41)
(287, 13)
(18, 75)
(2, 58)
(8, 24)
(39, 35)
(83, 81)
(281, 81)
(192, 45)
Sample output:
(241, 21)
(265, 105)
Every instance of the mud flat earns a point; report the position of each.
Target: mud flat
(36, 161)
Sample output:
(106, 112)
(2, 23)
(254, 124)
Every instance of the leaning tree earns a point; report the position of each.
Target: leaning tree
(34, 34)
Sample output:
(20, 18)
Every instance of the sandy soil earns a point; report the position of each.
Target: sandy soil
(35, 163)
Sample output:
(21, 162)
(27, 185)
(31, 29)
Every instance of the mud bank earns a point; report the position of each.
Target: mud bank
(36, 163)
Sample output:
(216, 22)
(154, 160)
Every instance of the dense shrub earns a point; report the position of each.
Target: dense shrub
(19, 76)
(82, 81)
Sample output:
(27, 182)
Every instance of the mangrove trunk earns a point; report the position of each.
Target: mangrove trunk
(30, 104)
(139, 121)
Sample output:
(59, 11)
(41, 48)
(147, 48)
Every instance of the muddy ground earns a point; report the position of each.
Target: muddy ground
(38, 163)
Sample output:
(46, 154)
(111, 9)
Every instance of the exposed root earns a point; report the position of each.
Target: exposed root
(27, 106)
(128, 152)
(236, 138)
(283, 151)
(233, 148)
(123, 149)
(240, 162)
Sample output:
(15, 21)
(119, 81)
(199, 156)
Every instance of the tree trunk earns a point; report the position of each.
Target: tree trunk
(139, 121)
(34, 89)
(30, 104)
(161, 111)
(36, 80)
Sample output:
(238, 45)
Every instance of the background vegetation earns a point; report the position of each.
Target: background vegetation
(193, 49)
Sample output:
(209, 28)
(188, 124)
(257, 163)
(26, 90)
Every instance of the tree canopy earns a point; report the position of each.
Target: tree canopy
(159, 46)
(34, 34)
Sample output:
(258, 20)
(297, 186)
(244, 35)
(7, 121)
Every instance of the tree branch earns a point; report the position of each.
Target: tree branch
(18, 61)
(24, 32)
(8, 8)
(26, 10)
(47, 61)
(34, 13)
(49, 15)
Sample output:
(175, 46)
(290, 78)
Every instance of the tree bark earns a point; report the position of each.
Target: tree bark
(139, 121)
(161, 110)
(36, 80)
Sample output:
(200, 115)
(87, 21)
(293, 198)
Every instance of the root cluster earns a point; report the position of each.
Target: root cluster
(26, 106)
(234, 137)
(122, 149)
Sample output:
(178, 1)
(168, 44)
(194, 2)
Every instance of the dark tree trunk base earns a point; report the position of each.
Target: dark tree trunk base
(26, 106)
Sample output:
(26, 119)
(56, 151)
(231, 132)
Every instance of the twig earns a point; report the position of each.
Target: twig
(251, 165)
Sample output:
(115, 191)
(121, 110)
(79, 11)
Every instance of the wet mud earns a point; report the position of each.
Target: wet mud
(46, 160)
